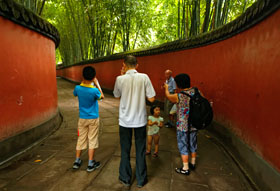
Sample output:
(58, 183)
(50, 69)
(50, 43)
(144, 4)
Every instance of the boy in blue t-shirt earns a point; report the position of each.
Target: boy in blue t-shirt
(88, 125)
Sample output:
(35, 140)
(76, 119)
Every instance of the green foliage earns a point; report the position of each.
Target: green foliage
(94, 28)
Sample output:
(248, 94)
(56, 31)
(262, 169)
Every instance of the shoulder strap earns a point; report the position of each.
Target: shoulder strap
(195, 91)
(184, 93)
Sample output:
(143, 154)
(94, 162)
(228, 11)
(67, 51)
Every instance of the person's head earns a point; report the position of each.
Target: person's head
(155, 110)
(168, 74)
(130, 62)
(89, 73)
(183, 81)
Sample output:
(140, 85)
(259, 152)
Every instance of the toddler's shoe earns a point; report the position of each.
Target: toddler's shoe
(182, 171)
(148, 153)
(77, 165)
(94, 166)
(155, 155)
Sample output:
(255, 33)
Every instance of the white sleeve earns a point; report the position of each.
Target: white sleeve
(150, 92)
(117, 92)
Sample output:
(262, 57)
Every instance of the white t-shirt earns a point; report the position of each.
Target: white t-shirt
(133, 88)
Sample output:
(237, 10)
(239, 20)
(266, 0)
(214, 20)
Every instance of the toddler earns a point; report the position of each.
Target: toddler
(155, 122)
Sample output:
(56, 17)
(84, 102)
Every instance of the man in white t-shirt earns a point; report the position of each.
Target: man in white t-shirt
(133, 88)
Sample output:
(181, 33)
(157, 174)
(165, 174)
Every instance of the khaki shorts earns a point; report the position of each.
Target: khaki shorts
(88, 130)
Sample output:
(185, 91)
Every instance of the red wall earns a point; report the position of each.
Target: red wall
(240, 75)
(28, 79)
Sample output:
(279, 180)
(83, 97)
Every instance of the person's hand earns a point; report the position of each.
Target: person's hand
(123, 71)
(165, 86)
(95, 81)
(155, 123)
(102, 95)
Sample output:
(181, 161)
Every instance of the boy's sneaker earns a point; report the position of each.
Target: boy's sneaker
(182, 171)
(77, 165)
(191, 166)
(94, 166)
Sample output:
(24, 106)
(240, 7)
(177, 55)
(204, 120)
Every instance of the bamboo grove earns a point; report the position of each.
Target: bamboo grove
(95, 28)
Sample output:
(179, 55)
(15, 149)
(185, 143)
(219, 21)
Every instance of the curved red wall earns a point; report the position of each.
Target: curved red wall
(240, 75)
(28, 83)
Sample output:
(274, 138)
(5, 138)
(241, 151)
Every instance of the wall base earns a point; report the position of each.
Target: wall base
(261, 174)
(69, 80)
(15, 146)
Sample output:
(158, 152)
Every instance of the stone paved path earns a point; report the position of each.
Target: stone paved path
(52, 170)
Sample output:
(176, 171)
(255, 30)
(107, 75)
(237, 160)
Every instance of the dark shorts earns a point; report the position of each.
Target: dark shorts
(187, 142)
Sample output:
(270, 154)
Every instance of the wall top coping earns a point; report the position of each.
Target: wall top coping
(25, 17)
(253, 15)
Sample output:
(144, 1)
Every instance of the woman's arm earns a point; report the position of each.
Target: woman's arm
(171, 97)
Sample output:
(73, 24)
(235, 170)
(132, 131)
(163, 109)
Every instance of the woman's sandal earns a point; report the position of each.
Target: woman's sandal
(181, 171)
(147, 153)
(155, 155)
(191, 166)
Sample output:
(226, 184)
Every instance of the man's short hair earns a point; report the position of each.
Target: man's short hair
(89, 73)
(130, 61)
(183, 81)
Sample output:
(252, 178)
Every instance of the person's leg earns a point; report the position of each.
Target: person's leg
(81, 142)
(185, 160)
(82, 136)
(172, 120)
(156, 141)
(93, 133)
(166, 112)
(93, 126)
(140, 144)
(78, 153)
(149, 145)
(125, 141)
(193, 148)
(183, 148)
(90, 154)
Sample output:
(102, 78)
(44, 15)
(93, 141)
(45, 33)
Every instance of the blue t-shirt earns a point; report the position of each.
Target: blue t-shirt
(88, 105)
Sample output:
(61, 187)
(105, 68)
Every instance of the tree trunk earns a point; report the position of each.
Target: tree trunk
(179, 19)
(42, 7)
(187, 20)
(206, 16)
(214, 15)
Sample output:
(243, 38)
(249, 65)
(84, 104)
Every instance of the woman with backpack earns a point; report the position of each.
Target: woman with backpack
(186, 133)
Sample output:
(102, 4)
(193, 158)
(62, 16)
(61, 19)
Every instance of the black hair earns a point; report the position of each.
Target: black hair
(130, 60)
(183, 81)
(153, 108)
(89, 73)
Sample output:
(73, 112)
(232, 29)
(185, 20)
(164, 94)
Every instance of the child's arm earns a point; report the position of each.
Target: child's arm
(161, 124)
(150, 123)
(95, 81)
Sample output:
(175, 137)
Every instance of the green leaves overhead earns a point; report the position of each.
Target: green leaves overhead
(95, 28)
